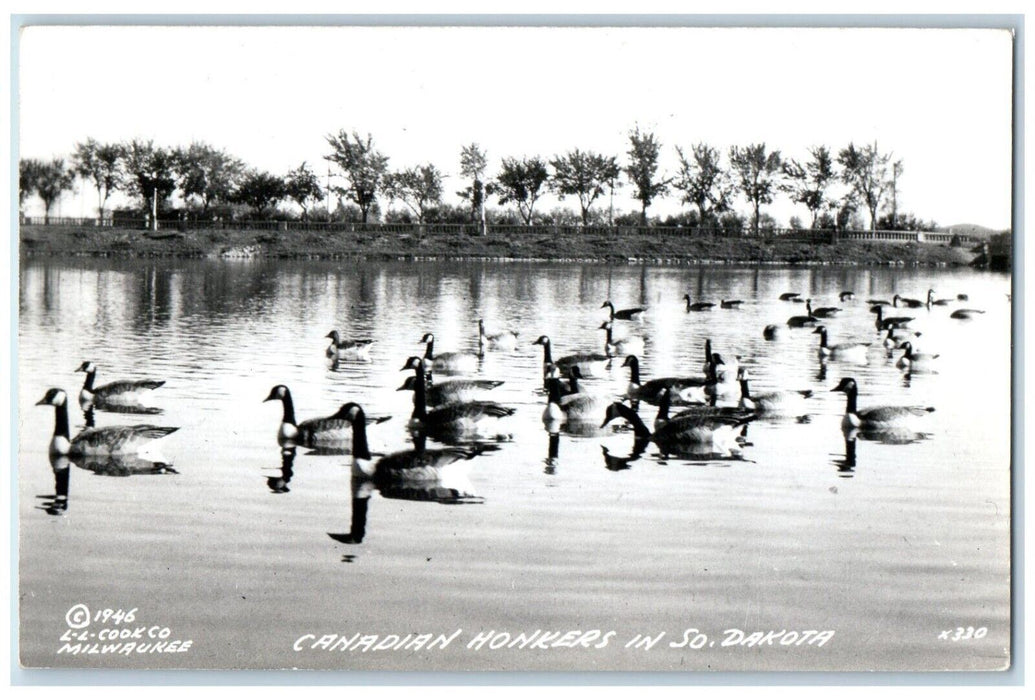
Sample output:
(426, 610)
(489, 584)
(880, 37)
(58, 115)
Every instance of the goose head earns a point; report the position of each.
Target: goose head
(847, 386)
(409, 385)
(607, 305)
(542, 340)
(428, 337)
(87, 367)
(413, 363)
(350, 411)
(631, 361)
(53, 397)
(333, 335)
(907, 348)
(613, 411)
(278, 393)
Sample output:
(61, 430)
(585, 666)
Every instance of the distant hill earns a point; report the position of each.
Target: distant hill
(980, 232)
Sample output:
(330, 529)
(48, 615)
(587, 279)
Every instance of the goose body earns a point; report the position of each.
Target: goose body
(790, 296)
(702, 411)
(772, 403)
(884, 324)
(121, 393)
(802, 321)
(678, 434)
(683, 389)
(503, 340)
(348, 349)
(452, 390)
(845, 296)
(332, 431)
(455, 422)
(877, 418)
(931, 301)
(576, 408)
(449, 362)
(878, 302)
(821, 312)
(896, 336)
(771, 332)
(628, 345)
(697, 306)
(907, 302)
(111, 441)
(591, 364)
(730, 303)
(965, 314)
(846, 352)
(915, 361)
(623, 314)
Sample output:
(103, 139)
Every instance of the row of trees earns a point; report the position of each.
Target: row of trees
(832, 186)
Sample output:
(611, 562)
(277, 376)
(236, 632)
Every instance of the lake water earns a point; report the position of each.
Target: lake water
(892, 545)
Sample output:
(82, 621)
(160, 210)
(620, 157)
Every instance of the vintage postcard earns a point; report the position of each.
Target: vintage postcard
(471, 347)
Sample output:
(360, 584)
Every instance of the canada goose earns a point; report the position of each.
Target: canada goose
(802, 321)
(965, 314)
(850, 352)
(448, 362)
(772, 403)
(821, 312)
(573, 408)
(910, 303)
(722, 379)
(931, 301)
(348, 349)
(703, 411)
(771, 332)
(730, 303)
(790, 296)
(408, 466)
(452, 390)
(896, 336)
(472, 420)
(962, 297)
(878, 418)
(623, 314)
(117, 440)
(686, 389)
(504, 340)
(729, 364)
(123, 393)
(845, 296)
(877, 302)
(628, 345)
(680, 433)
(698, 306)
(915, 361)
(591, 364)
(884, 324)
(331, 431)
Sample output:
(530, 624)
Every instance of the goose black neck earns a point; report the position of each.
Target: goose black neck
(687, 297)
(420, 406)
(289, 408)
(429, 352)
(853, 396)
(664, 404)
(547, 355)
(609, 337)
(634, 369)
(61, 420)
(574, 383)
(708, 350)
(360, 448)
(630, 415)
(823, 338)
(553, 391)
(88, 384)
(744, 391)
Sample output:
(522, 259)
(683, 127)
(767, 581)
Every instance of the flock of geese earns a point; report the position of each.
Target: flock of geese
(702, 413)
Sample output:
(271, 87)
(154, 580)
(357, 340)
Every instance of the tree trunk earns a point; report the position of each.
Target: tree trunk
(755, 226)
(643, 214)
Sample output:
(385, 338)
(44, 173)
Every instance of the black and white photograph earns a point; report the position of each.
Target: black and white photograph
(505, 347)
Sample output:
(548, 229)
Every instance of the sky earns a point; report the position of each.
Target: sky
(938, 99)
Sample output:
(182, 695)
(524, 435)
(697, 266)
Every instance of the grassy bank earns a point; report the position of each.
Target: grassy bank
(213, 243)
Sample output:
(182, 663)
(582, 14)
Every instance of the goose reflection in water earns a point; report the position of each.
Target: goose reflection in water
(552, 460)
(846, 466)
(90, 417)
(57, 502)
(439, 475)
(279, 483)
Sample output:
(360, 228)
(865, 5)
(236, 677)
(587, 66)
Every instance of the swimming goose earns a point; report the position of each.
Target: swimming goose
(965, 314)
(665, 405)
(963, 297)
(931, 301)
(574, 408)
(622, 314)
(878, 302)
(408, 466)
(471, 420)
(845, 296)
(591, 364)
(331, 431)
(772, 403)
(911, 303)
(821, 312)
(678, 434)
(448, 362)
(697, 306)
(686, 389)
(730, 303)
(117, 440)
(915, 361)
(348, 349)
(123, 393)
(790, 296)
(628, 345)
(504, 340)
(878, 418)
(850, 352)
(884, 324)
(722, 378)
(802, 321)
(452, 390)
(896, 336)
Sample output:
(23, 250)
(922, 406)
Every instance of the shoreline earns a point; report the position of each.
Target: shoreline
(243, 244)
